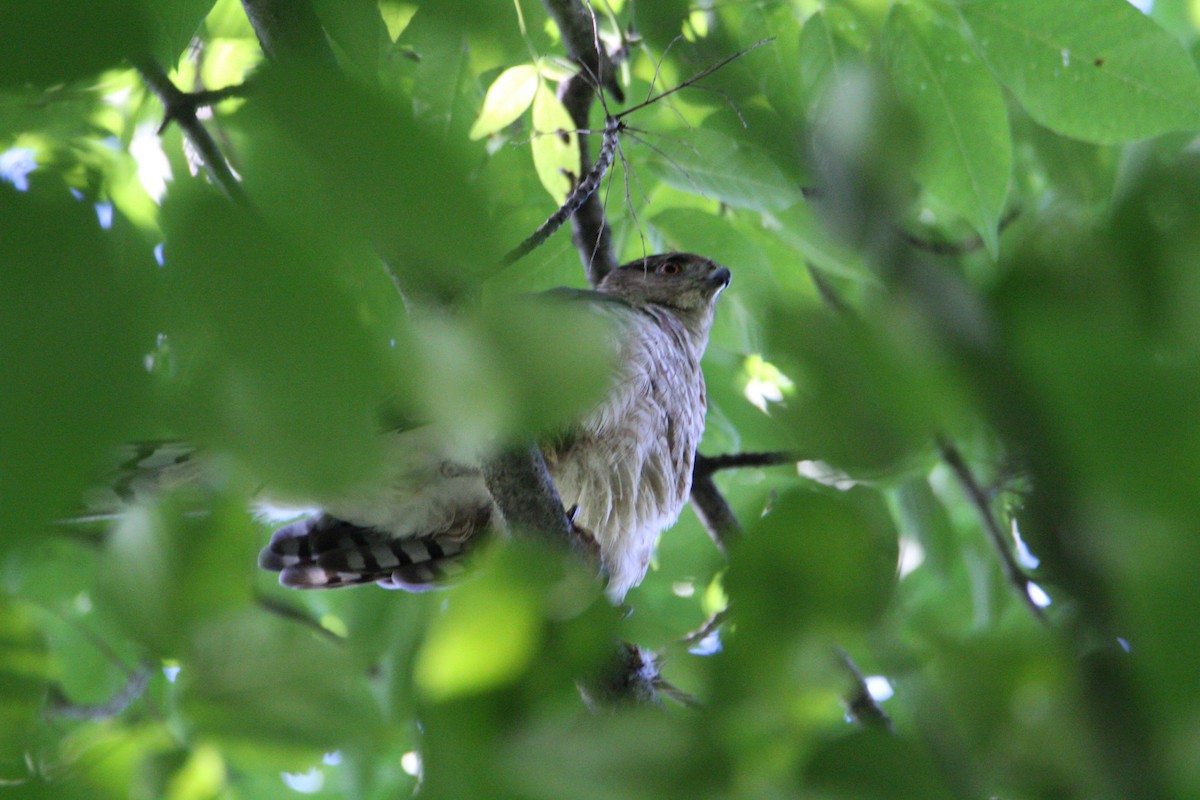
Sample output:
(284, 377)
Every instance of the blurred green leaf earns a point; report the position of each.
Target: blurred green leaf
(176, 23)
(277, 363)
(73, 348)
(966, 153)
(278, 691)
(833, 555)
(867, 765)
(25, 669)
(170, 573)
(57, 41)
(823, 50)
(327, 155)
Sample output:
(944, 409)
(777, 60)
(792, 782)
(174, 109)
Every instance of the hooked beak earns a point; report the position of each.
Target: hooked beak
(720, 278)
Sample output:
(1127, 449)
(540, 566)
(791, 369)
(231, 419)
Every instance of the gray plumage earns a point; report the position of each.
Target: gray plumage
(624, 468)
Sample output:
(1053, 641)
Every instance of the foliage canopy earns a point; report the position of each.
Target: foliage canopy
(965, 251)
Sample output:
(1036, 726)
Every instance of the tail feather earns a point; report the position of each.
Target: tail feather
(327, 553)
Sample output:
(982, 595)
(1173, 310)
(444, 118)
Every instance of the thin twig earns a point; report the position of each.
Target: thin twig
(575, 201)
(710, 464)
(860, 704)
(188, 103)
(134, 688)
(293, 614)
(979, 499)
(709, 627)
(701, 75)
(963, 247)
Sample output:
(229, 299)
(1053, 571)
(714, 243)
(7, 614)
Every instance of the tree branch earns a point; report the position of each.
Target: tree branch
(707, 501)
(180, 107)
(289, 30)
(589, 228)
(522, 487)
(133, 689)
(711, 464)
(963, 247)
(714, 512)
(579, 199)
(590, 232)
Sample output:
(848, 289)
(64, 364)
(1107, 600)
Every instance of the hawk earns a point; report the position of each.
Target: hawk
(623, 470)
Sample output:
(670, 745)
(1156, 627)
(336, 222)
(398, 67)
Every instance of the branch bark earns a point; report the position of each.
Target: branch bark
(710, 505)
(522, 487)
(180, 108)
(289, 30)
(714, 512)
(589, 228)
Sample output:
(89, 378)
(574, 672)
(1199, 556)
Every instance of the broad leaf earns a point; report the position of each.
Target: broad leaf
(716, 166)
(1096, 70)
(506, 99)
(555, 145)
(966, 152)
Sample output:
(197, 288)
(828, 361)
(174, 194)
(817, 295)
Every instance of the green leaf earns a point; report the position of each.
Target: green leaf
(500, 621)
(25, 671)
(823, 51)
(831, 553)
(176, 23)
(52, 41)
(1096, 70)
(506, 100)
(258, 680)
(717, 166)
(966, 153)
(864, 765)
(73, 343)
(281, 361)
(352, 167)
(555, 145)
(396, 16)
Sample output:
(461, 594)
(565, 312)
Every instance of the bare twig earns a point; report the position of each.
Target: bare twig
(178, 106)
(293, 614)
(699, 76)
(582, 193)
(133, 689)
(188, 103)
(963, 247)
(979, 499)
(709, 627)
(860, 705)
(711, 464)
(580, 37)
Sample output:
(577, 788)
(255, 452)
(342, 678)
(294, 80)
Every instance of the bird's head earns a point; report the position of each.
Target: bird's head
(685, 283)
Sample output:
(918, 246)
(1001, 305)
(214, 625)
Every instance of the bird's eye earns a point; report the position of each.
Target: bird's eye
(669, 268)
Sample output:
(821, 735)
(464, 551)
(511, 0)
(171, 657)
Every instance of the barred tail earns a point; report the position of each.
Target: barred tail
(324, 552)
